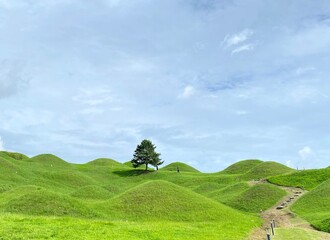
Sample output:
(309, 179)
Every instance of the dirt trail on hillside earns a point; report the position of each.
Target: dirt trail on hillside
(284, 218)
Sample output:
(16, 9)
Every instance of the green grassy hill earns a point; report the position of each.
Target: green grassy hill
(266, 169)
(46, 197)
(229, 193)
(314, 206)
(261, 196)
(106, 162)
(182, 167)
(242, 166)
(166, 201)
(307, 179)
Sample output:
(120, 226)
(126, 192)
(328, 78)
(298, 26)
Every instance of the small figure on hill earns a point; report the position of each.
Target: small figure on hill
(178, 169)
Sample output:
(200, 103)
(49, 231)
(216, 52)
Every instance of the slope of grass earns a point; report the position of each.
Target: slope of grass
(299, 233)
(161, 200)
(43, 202)
(29, 227)
(118, 202)
(314, 206)
(242, 166)
(92, 192)
(266, 169)
(229, 193)
(261, 196)
(13, 155)
(182, 167)
(106, 162)
(307, 179)
(207, 187)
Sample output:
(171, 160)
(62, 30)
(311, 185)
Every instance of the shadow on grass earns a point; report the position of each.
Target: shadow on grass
(132, 173)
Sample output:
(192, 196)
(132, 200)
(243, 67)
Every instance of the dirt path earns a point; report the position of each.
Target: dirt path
(284, 218)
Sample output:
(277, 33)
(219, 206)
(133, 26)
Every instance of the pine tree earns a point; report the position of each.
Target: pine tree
(145, 154)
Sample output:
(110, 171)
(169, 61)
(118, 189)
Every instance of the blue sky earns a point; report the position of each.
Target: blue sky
(210, 82)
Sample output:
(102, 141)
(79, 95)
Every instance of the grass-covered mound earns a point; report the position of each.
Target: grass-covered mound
(261, 196)
(307, 179)
(242, 166)
(162, 200)
(43, 202)
(106, 162)
(182, 167)
(208, 187)
(314, 206)
(266, 169)
(227, 194)
(50, 161)
(92, 192)
(13, 155)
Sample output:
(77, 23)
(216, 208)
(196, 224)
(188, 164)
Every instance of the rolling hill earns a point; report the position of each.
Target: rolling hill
(182, 167)
(242, 167)
(307, 179)
(314, 206)
(127, 203)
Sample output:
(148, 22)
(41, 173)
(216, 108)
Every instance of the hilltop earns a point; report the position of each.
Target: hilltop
(182, 167)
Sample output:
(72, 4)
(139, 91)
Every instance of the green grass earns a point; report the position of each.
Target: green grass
(103, 193)
(307, 179)
(314, 206)
(266, 169)
(46, 197)
(242, 166)
(93, 192)
(298, 233)
(182, 167)
(261, 196)
(27, 227)
(43, 202)
(229, 193)
(162, 200)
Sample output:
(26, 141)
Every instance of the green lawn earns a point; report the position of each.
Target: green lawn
(299, 233)
(45, 197)
(314, 206)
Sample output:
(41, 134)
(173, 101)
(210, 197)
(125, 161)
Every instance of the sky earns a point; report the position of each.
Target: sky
(209, 82)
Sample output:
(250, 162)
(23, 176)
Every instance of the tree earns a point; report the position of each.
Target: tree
(145, 154)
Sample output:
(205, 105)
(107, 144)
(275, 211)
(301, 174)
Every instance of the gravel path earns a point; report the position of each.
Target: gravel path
(283, 217)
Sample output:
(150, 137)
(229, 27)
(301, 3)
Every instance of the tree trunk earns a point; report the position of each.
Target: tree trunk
(146, 166)
(157, 167)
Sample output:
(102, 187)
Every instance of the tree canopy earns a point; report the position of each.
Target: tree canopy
(145, 154)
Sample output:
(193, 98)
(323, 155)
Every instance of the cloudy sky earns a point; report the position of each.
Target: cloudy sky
(210, 82)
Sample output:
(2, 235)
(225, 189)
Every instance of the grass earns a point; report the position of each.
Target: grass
(307, 179)
(314, 207)
(45, 197)
(182, 167)
(166, 201)
(261, 196)
(266, 169)
(27, 227)
(230, 193)
(298, 233)
(242, 166)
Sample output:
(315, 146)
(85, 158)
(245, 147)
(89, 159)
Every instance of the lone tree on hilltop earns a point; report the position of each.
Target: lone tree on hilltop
(145, 154)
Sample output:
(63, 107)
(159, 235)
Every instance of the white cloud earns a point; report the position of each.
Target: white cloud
(232, 40)
(188, 91)
(245, 47)
(1, 145)
(306, 153)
